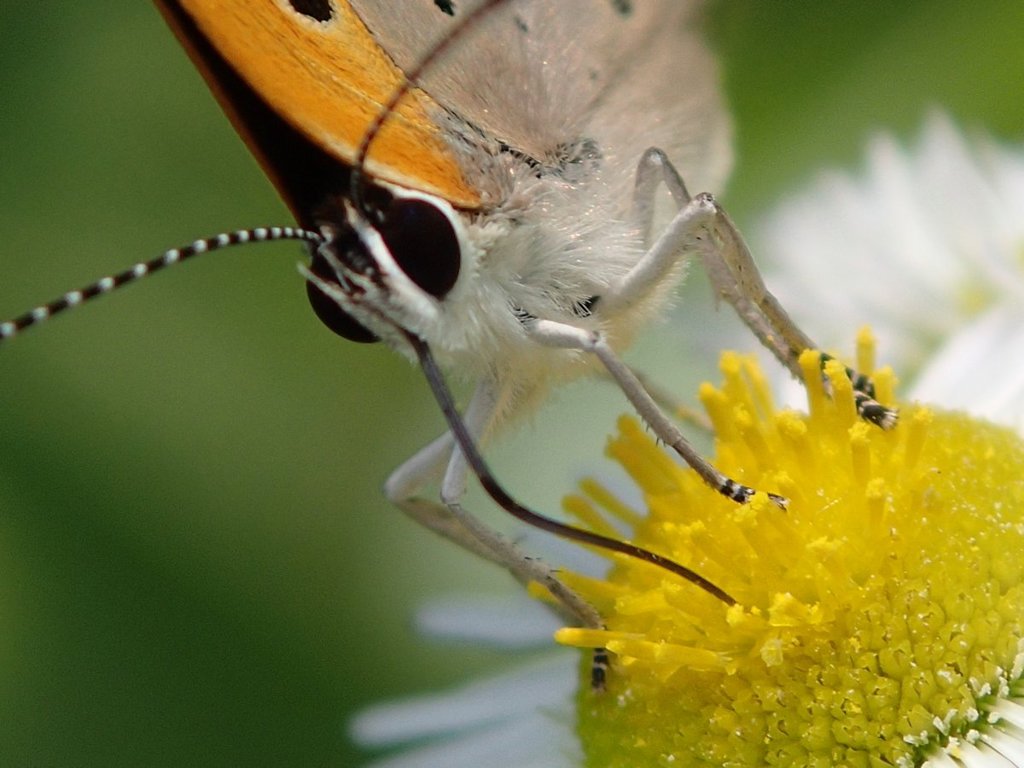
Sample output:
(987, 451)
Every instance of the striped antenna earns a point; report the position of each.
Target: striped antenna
(143, 269)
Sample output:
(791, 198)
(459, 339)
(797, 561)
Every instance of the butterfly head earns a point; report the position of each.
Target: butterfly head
(386, 265)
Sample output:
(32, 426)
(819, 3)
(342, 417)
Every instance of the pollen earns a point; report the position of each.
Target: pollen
(879, 620)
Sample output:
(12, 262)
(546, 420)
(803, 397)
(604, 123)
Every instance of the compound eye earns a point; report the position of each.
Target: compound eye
(329, 311)
(423, 243)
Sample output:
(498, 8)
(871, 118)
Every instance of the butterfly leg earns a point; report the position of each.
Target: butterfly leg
(701, 226)
(654, 170)
(441, 461)
(736, 278)
(669, 402)
(566, 336)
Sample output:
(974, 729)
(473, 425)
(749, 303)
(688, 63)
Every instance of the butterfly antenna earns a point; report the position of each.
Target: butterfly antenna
(502, 498)
(459, 30)
(105, 285)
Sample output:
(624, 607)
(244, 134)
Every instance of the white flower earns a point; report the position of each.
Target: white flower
(524, 716)
(926, 247)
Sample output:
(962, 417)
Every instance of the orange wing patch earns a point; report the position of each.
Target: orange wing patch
(330, 80)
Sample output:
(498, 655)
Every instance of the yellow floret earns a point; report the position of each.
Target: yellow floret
(879, 619)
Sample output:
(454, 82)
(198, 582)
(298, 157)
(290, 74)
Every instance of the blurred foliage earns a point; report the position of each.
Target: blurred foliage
(196, 565)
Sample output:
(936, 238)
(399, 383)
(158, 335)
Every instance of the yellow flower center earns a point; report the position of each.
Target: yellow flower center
(879, 619)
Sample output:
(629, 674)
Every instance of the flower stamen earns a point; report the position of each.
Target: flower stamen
(879, 620)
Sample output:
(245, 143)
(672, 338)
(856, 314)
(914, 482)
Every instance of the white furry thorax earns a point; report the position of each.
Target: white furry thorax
(550, 248)
(553, 150)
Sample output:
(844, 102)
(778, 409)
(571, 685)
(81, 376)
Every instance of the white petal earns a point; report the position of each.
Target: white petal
(940, 760)
(1010, 712)
(535, 742)
(505, 621)
(545, 684)
(915, 245)
(1009, 746)
(983, 757)
(981, 369)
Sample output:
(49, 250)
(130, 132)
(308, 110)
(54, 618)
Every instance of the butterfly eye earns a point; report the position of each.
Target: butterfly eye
(422, 241)
(318, 10)
(329, 311)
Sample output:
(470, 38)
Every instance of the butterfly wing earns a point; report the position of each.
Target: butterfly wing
(534, 76)
(327, 79)
(538, 75)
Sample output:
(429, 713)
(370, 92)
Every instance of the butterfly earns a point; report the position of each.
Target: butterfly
(477, 185)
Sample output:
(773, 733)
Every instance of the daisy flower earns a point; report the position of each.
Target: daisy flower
(879, 620)
(527, 715)
(926, 245)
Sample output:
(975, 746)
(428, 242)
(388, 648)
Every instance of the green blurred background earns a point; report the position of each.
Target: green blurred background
(196, 565)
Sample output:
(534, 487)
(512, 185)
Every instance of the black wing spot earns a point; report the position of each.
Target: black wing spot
(571, 161)
(622, 7)
(318, 10)
(445, 6)
(585, 308)
(522, 315)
